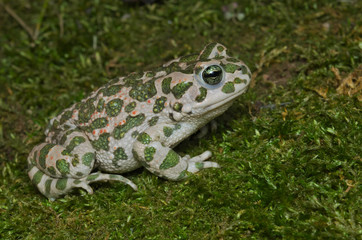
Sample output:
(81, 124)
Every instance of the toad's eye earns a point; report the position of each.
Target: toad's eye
(213, 75)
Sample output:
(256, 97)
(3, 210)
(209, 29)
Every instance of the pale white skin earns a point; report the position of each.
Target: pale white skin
(135, 121)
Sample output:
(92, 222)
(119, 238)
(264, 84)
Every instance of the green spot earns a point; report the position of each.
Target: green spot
(93, 177)
(230, 68)
(43, 154)
(131, 122)
(102, 142)
(61, 184)
(153, 121)
(167, 131)
(228, 87)
(114, 107)
(150, 74)
(189, 69)
(88, 159)
(144, 138)
(74, 142)
(112, 90)
(177, 107)
(207, 51)
(159, 104)
(202, 96)
(173, 67)
(220, 48)
(238, 81)
(244, 70)
(52, 171)
(62, 166)
(189, 58)
(135, 134)
(79, 174)
(180, 89)
(57, 132)
(166, 85)
(199, 165)
(100, 105)
(130, 107)
(77, 181)
(149, 152)
(75, 160)
(37, 177)
(48, 184)
(65, 153)
(198, 70)
(177, 126)
(86, 109)
(171, 160)
(99, 123)
(143, 91)
(234, 60)
(86, 128)
(65, 136)
(53, 127)
(66, 116)
(132, 79)
(120, 154)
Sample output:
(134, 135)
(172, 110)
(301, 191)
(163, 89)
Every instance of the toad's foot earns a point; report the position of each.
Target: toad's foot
(198, 162)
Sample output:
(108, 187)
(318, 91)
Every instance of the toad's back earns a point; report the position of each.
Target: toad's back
(134, 121)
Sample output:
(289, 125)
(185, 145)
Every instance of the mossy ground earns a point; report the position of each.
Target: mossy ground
(290, 149)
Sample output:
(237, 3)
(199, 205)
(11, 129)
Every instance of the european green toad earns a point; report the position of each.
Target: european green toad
(135, 121)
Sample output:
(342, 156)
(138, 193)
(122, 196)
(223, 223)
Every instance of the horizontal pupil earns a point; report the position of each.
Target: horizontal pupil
(213, 74)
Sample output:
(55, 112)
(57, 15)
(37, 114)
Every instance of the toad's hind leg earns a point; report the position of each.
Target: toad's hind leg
(54, 188)
(56, 169)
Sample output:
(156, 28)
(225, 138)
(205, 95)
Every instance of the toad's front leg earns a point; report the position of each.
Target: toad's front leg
(151, 149)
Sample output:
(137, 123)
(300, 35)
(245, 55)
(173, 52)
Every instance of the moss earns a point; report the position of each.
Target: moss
(290, 157)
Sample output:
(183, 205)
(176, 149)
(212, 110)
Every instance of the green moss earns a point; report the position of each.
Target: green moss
(291, 164)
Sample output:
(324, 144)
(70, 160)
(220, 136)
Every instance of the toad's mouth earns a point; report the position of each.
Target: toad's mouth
(215, 104)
